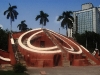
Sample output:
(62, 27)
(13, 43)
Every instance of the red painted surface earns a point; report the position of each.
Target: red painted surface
(39, 59)
(5, 55)
(11, 53)
(80, 62)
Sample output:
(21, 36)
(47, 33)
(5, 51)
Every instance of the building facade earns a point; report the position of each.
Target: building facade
(87, 19)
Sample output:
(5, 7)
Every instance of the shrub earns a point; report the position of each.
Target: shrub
(19, 68)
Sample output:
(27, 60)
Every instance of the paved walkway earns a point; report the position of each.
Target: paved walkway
(86, 70)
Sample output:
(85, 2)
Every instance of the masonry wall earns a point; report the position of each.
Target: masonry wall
(36, 59)
(39, 59)
(5, 55)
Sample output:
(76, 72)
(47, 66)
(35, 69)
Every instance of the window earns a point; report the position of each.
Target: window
(42, 43)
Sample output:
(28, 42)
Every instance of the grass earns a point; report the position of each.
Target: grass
(11, 73)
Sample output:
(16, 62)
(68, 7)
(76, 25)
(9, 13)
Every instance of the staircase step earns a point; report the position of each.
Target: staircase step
(92, 62)
(66, 63)
(6, 67)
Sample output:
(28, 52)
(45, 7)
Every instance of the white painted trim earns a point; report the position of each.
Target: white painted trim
(78, 52)
(71, 48)
(84, 48)
(5, 59)
(37, 48)
(32, 50)
(12, 41)
(42, 50)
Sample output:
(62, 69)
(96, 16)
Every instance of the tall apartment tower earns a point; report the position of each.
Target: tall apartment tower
(87, 19)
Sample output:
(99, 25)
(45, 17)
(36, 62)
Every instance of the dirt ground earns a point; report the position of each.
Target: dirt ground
(70, 70)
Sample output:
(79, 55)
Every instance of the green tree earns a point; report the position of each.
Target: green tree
(91, 38)
(67, 20)
(11, 13)
(19, 68)
(22, 26)
(4, 39)
(43, 18)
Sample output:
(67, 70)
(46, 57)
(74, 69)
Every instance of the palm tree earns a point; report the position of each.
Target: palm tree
(43, 18)
(11, 13)
(22, 26)
(67, 20)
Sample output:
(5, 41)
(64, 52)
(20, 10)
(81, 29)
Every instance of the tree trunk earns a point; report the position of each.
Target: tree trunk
(10, 24)
(66, 31)
(69, 31)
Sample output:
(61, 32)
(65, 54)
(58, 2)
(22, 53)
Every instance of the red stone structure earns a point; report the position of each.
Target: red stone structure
(46, 48)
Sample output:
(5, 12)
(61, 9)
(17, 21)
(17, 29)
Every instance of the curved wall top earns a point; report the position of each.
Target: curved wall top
(32, 48)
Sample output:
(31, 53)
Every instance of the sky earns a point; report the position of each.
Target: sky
(29, 9)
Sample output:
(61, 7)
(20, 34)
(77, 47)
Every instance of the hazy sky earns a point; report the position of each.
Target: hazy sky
(29, 9)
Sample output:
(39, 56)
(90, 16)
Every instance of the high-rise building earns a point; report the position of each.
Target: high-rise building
(87, 19)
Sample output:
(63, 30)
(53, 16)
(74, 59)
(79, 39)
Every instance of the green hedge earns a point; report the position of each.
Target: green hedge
(19, 68)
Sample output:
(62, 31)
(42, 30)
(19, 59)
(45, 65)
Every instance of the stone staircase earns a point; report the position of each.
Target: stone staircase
(66, 63)
(19, 57)
(91, 62)
(15, 52)
(19, 54)
(25, 42)
(56, 42)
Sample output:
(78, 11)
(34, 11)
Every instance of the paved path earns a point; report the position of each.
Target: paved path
(86, 70)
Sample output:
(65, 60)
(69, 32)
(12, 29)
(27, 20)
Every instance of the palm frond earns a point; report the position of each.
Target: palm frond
(41, 21)
(43, 18)
(70, 25)
(11, 12)
(23, 22)
(41, 13)
(5, 12)
(63, 23)
(44, 21)
(71, 18)
(60, 18)
(37, 17)
(8, 15)
(14, 7)
(18, 25)
(15, 12)
(46, 15)
(47, 19)
(70, 12)
(9, 4)
(12, 16)
(67, 19)
(64, 14)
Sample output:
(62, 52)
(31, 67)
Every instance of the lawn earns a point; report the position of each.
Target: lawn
(11, 73)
